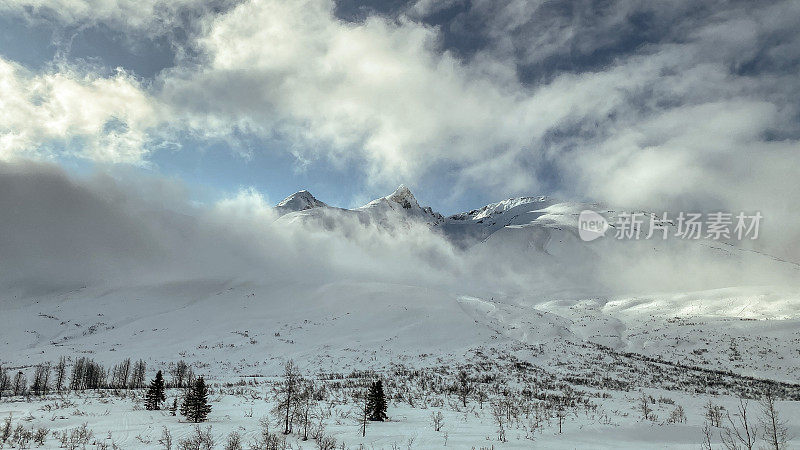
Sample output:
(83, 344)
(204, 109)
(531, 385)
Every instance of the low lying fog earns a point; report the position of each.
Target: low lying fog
(62, 232)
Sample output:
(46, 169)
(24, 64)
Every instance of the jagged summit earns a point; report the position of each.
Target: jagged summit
(404, 197)
(299, 201)
(398, 206)
(465, 228)
(402, 200)
(401, 196)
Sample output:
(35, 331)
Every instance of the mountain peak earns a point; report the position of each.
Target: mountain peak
(299, 201)
(403, 200)
(403, 196)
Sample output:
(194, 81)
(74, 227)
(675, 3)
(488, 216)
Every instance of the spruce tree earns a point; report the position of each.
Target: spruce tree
(195, 405)
(155, 393)
(376, 402)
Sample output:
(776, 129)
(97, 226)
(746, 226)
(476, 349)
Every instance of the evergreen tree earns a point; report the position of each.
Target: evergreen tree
(376, 402)
(195, 405)
(155, 393)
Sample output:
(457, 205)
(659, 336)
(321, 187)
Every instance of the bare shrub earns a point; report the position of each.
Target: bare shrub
(166, 439)
(199, 440)
(234, 441)
(40, 435)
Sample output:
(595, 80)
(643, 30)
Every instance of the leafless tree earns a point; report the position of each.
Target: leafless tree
(481, 396)
(305, 405)
(561, 414)
(677, 415)
(138, 374)
(464, 387)
(499, 414)
(645, 406)
(288, 391)
(180, 374)
(365, 413)
(41, 377)
(5, 381)
(60, 374)
(234, 441)
(437, 420)
(166, 439)
(775, 431)
(76, 377)
(121, 373)
(714, 414)
(742, 432)
(20, 384)
(87, 374)
(5, 430)
(706, 444)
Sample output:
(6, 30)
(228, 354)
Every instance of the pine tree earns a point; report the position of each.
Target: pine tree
(155, 393)
(195, 405)
(376, 402)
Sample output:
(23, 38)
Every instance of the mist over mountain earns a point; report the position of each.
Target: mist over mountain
(62, 232)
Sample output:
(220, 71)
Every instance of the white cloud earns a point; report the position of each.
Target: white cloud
(384, 92)
(377, 90)
(686, 117)
(150, 17)
(67, 112)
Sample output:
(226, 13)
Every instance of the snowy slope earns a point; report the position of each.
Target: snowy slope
(382, 289)
(467, 228)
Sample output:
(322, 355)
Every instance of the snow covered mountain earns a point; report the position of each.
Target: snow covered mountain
(467, 228)
(464, 229)
(401, 201)
(399, 208)
(299, 201)
(534, 241)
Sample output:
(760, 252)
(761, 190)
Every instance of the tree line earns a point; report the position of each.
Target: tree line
(86, 374)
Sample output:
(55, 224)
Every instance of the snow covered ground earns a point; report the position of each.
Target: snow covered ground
(613, 421)
(508, 289)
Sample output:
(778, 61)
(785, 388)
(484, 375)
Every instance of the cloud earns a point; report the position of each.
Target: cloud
(668, 105)
(143, 17)
(386, 92)
(119, 228)
(122, 229)
(378, 90)
(64, 111)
